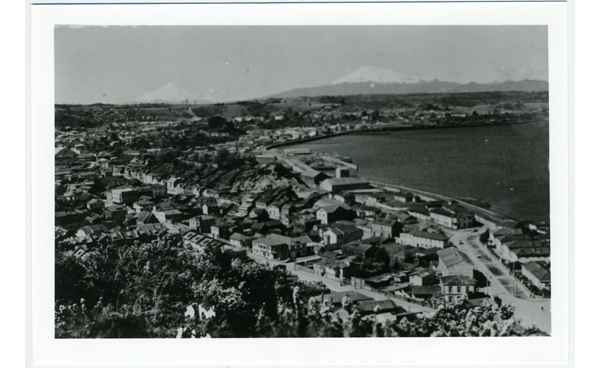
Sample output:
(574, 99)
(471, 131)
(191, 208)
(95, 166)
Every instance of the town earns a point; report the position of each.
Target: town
(222, 176)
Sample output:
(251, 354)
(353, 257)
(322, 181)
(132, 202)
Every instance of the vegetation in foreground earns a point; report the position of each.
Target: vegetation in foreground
(144, 291)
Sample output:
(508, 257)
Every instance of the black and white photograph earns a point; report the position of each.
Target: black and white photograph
(306, 181)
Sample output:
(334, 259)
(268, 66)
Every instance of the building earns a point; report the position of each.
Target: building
(339, 234)
(125, 196)
(271, 247)
(386, 227)
(335, 269)
(454, 262)
(116, 214)
(339, 184)
(95, 204)
(202, 223)
(455, 287)
(333, 213)
(405, 197)
(220, 231)
(524, 251)
(423, 239)
(537, 274)
(169, 216)
(459, 219)
(240, 240)
(422, 277)
(313, 178)
(342, 172)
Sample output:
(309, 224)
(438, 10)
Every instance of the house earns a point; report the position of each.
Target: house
(158, 190)
(202, 223)
(365, 226)
(405, 197)
(524, 250)
(169, 216)
(313, 178)
(497, 237)
(240, 240)
(335, 269)
(457, 219)
(537, 274)
(425, 292)
(363, 211)
(340, 234)
(271, 247)
(422, 277)
(220, 231)
(274, 210)
(91, 232)
(454, 262)
(116, 213)
(125, 196)
(356, 248)
(339, 184)
(423, 239)
(333, 213)
(455, 287)
(386, 227)
(211, 209)
(95, 204)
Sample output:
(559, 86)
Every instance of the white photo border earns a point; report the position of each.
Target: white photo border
(245, 352)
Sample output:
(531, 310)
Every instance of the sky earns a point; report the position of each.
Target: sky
(116, 64)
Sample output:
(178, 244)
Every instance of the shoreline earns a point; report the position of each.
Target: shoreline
(387, 130)
(482, 214)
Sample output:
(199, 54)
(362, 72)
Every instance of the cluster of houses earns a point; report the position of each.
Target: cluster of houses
(525, 250)
(327, 221)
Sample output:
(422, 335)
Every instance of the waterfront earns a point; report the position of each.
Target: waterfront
(507, 166)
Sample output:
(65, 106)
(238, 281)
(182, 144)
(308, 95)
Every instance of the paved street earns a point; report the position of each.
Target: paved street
(529, 311)
(335, 286)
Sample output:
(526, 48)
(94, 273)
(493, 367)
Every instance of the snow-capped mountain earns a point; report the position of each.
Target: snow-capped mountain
(170, 93)
(377, 75)
(370, 80)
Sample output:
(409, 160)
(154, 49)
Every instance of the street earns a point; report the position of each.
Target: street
(530, 311)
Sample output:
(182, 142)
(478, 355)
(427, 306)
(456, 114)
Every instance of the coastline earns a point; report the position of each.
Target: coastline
(384, 130)
(483, 214)
(480, 213)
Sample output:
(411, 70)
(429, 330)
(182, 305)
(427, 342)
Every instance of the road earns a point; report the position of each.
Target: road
(531, 311)
(335, 286)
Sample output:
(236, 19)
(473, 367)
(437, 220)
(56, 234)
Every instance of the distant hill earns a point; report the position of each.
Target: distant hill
(170, 94)
(370, 80)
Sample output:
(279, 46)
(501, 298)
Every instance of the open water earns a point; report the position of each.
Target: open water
(507, 166)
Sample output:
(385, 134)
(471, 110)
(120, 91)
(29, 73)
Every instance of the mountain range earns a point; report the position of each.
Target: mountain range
(370, 80)
(363, 81)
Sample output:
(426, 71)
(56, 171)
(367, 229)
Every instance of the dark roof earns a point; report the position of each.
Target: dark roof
(451, 256)
(379, 306)
(433, 290)
(457, 280)
(336, 298)
(537, 270)
(428, 235)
